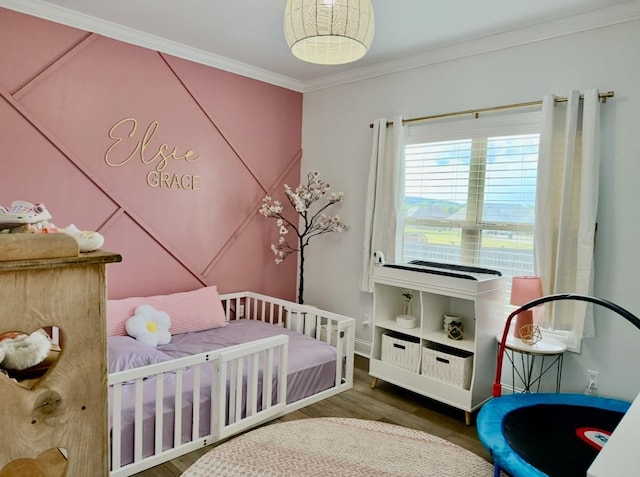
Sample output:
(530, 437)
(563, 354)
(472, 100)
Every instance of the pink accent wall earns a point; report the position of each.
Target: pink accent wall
(63, 90)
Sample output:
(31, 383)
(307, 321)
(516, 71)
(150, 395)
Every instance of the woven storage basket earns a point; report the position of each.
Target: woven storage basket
(401, 350)
(449, 365)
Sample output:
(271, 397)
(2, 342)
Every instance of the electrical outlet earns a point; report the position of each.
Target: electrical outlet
(367, 320)
(592, 379)
(240, 311)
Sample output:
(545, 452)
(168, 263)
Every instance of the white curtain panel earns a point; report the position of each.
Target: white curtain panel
(566, 207)
(384, 197)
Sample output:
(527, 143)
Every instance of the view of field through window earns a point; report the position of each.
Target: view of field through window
(472, 202)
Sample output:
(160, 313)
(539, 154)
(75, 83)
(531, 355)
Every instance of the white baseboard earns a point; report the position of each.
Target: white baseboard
(362, 348)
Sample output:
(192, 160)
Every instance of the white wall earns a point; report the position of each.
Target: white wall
(337, 142)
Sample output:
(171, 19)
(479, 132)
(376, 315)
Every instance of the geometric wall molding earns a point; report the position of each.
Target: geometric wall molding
(167, 158)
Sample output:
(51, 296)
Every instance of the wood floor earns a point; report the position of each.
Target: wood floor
(386, 403)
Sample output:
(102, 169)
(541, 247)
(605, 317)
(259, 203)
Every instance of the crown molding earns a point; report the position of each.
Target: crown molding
(601, 18)
(89, 23)
(560, 27)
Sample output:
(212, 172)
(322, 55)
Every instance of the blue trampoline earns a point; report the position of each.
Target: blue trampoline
(548, 435)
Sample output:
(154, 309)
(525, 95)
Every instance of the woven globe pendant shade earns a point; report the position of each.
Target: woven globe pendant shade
(329, 32)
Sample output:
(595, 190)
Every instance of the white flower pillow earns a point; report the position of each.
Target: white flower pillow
(149, 326)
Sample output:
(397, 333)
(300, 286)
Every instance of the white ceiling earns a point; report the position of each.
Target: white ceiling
(245, 36)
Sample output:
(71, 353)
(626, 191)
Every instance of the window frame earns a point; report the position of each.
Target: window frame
(475, 129)
(473, 226)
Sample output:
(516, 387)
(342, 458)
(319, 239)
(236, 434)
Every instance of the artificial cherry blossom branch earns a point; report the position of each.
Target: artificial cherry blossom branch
(302, 198)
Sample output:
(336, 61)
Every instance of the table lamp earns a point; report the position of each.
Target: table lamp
(524, 290)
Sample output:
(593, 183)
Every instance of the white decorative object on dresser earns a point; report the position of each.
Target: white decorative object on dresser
(454, 366)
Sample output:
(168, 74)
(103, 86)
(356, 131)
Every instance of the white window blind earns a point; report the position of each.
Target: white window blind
(469, 193)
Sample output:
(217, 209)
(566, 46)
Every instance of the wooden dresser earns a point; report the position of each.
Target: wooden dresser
(67, 407)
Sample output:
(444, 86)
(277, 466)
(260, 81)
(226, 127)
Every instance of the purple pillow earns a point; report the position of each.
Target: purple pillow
(128, 353)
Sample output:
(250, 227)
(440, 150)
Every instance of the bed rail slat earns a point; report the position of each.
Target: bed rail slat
(215, 421)
(248, 312)
(252, 385)
(177, 424)
(282, 373)
(236, 397)
(195, 428)
(116, 426)
(159, 417)
(221, 402)
(272, 318)
(267, 381)
(281, 315)
(137, 443)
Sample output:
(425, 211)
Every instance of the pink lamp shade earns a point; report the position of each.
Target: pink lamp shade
(524, 290)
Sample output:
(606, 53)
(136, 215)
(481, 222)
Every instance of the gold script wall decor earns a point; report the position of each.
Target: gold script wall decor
(126, 146)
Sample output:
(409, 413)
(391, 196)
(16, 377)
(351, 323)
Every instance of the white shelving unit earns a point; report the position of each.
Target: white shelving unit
(475, 295)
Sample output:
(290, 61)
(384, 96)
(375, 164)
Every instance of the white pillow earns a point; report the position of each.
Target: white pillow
(149, 326)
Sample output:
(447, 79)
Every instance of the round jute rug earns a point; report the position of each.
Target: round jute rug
(338, 447)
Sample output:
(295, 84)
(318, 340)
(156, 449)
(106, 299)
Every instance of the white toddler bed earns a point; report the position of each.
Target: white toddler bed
(270, 357)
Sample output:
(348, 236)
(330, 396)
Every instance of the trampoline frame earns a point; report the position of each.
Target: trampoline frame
(503, 456)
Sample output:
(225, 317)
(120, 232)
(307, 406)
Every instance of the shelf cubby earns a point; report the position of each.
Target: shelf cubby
(476, 297)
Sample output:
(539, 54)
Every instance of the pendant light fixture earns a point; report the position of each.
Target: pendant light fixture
(329, 32)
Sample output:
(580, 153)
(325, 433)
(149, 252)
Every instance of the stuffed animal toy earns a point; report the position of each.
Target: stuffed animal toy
(149, 326)
(88, 241)
(23, 216)
(20, 351)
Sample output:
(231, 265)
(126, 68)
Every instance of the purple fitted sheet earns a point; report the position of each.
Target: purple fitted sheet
(311, 369)
(311, 362)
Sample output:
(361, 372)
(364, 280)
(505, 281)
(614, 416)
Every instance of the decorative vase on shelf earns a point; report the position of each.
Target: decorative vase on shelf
(407, 296)
(406, 319)
(407, 309)
(455, 330)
